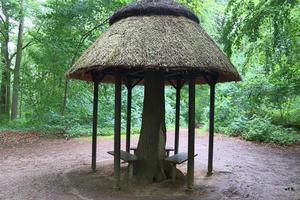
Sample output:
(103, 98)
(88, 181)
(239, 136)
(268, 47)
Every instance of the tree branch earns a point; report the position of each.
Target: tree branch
(2, 19)
(4, 36)
(90, 31)
(4, 25)
(82, 39)
(24, 47)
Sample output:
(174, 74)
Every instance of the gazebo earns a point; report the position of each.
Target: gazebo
(154, 43)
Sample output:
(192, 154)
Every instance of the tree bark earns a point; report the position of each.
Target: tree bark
(151, 146)
(16, 83)
(5, 83)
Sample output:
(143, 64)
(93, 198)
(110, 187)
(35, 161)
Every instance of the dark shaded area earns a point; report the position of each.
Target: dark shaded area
(153, 7)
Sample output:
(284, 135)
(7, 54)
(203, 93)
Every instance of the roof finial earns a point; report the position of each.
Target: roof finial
(153, 7)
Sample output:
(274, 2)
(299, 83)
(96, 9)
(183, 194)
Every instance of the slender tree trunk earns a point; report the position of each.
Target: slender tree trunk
(66, 87)
(16, 83)
(8, 93)
(65, 97)
(20, 107)
(151, 146)
(81, 42)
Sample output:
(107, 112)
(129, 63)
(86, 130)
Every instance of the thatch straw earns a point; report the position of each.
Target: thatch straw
(156, 42)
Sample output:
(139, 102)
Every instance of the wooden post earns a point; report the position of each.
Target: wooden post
(177, 116)
(211, 129)
(130, 172)
(95, 120)
(191, 134)
(117, 136)
(128, 122)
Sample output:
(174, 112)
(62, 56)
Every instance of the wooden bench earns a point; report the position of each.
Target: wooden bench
(175, 160)
(126, 157)
(168, 149)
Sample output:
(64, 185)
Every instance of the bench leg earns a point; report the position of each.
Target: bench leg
(173, 173)
(130, 171)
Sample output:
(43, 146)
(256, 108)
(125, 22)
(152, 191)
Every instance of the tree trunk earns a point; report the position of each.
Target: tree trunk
(5, 84)
(66, 86)
(151, 146)
(5, 80)
(20, 107)
(16, 83)
(64, 106)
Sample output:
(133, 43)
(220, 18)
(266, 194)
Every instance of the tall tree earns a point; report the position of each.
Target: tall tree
(16, 82)
(6, 62)
(66, 28)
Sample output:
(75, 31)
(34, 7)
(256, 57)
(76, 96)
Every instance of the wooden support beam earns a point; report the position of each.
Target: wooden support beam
(128, 121)
(97, 78)
(177, 114)
(136, 82)
(211, 129)
(129, 85)
(172, 83)
(191, 134)
(95, 120)
(117, 135)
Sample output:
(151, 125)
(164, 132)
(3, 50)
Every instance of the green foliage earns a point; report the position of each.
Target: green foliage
(261, 130)
(262, 38)
(248, 110)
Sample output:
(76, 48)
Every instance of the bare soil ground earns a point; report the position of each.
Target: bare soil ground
(32, 167)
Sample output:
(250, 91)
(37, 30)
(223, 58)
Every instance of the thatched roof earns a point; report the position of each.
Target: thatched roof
(168, 38)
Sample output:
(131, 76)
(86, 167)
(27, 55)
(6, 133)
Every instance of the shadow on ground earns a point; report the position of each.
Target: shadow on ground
(84, 184)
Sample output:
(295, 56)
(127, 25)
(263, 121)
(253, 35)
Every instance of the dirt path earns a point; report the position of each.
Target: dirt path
(60, 169)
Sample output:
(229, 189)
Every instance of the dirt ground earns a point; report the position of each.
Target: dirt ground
(36, 168)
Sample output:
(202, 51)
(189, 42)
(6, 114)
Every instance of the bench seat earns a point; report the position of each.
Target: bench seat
(175, 160)
(127, 157)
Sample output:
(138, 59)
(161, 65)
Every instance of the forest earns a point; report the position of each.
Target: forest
(41, 39)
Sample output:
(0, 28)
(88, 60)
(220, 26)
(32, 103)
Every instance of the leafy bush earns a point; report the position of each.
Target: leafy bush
(261, 130)
(289, 115)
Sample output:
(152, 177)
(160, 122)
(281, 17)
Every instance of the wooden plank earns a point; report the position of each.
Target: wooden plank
(127, 157)
(178, 158)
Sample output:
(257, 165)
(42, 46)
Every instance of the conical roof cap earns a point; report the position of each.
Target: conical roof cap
(153, 7)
